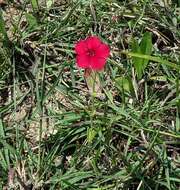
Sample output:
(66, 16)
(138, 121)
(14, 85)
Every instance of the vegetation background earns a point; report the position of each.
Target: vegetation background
(55, 134)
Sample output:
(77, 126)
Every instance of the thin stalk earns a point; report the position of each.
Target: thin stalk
(15, 102)
(41, 107)
(93, 98)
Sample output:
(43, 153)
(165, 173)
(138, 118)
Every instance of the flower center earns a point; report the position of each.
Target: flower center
(91, 52)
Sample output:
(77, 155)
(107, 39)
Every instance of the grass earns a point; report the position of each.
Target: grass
(53, 134)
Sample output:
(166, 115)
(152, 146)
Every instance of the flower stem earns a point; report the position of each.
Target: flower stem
(91, 132)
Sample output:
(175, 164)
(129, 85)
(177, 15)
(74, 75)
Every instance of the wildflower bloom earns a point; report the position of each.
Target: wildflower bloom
(91, 53)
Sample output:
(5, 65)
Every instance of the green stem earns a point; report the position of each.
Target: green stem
(94, 74)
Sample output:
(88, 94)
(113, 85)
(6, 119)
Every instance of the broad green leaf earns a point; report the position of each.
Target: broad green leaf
(124, 84)
(153, 58)
(146, 47)
(136, 60)
(31, 21)
(34, 4)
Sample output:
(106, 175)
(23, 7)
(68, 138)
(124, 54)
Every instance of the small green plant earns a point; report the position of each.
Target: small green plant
(145, 48)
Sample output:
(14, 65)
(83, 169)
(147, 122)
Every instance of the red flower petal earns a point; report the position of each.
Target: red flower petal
(83, 61)
(93, 42)
(97, 63)
(81, 47)
(91, 53)
(103, 51)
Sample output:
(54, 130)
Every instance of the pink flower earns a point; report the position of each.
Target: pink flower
(91, 53)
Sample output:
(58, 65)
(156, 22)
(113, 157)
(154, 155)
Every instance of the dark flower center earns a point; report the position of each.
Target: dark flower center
(91, 52)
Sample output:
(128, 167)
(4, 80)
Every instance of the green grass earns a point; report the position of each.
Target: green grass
(53, 133)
